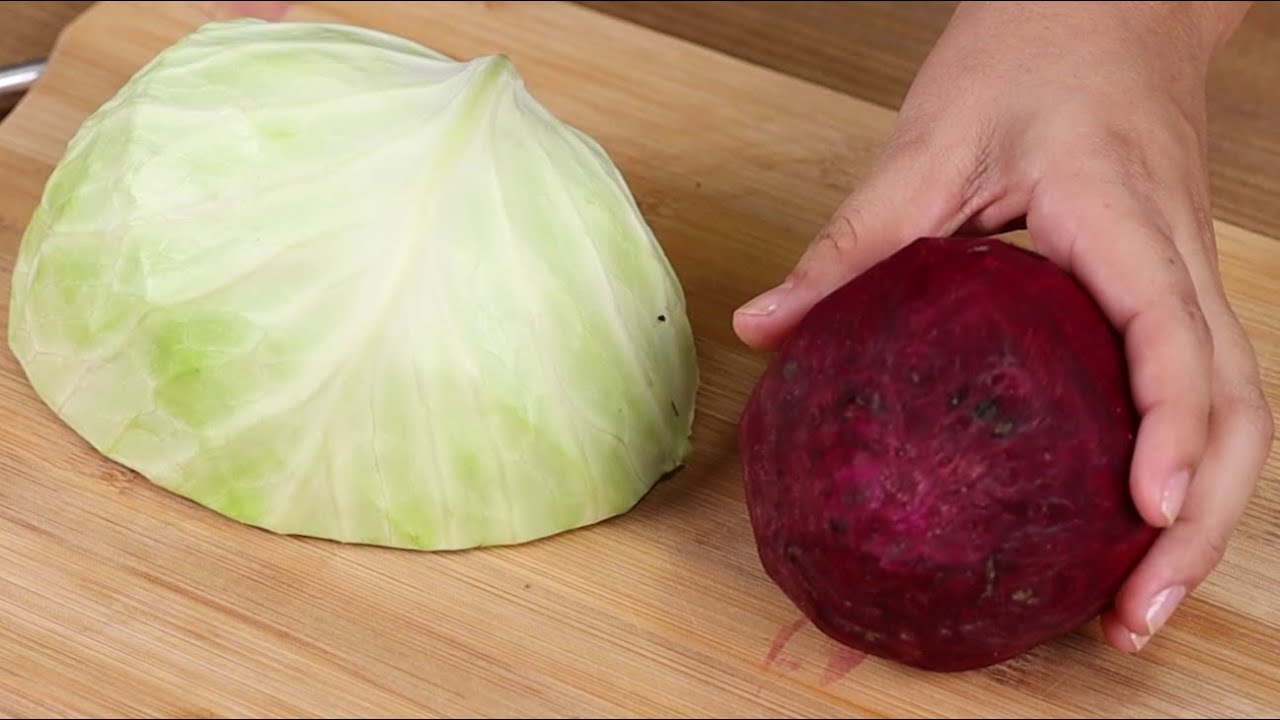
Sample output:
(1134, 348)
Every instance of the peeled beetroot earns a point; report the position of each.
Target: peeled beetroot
(936, 461)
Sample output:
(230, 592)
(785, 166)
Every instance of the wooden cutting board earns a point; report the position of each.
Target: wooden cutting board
(119, 598)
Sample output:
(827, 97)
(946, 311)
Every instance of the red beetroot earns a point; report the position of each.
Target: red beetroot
(936, 462)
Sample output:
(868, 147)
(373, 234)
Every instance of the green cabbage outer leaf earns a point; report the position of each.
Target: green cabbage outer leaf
(328, 282)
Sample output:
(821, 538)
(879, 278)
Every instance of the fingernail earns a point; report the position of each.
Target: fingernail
(1162, 606)
(1138, 640)
(766, 302)
(1175, 489)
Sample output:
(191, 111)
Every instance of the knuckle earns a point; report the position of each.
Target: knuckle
(908, 142)
(1242, 401)
(1182, 306)
(1193, 318)
(835, 244)
(1266, 424)
(1202, 216)
(840, 236)
(1214, 543)
(1250, 404)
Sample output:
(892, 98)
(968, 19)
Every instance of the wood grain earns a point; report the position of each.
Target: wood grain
(871, 50)
(121, 599)
(28, 30)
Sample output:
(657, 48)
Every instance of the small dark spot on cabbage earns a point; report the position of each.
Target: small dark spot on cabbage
(662, 318)
(836, 526)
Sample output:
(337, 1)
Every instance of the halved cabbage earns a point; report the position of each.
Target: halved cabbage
(329, 282)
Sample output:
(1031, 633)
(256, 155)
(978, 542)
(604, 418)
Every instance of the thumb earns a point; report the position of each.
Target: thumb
(901, 199)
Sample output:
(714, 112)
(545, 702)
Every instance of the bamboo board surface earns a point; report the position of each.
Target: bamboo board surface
(119, 598)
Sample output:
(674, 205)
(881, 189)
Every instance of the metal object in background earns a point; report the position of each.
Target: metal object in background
(17, 79)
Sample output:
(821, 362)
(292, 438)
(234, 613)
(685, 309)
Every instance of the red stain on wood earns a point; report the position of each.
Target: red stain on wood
(788, 663)
(842, 660)
(780, 641)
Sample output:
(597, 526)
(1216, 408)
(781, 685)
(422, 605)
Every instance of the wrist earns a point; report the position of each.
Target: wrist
(1188, 31)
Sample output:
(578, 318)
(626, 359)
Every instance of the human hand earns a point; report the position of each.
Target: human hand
(261, 9)
(1086, 123)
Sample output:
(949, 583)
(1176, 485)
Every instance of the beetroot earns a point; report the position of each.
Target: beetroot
(936, 462)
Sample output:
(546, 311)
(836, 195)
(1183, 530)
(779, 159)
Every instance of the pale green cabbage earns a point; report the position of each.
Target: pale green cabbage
(328, 282)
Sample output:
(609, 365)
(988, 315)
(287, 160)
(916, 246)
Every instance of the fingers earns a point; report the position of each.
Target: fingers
(1170, 357)
(1206, 428)
(254, 8)
(1241, 434)
(904, 197)
(1141, 283)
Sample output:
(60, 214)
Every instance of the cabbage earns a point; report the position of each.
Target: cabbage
(328, 282)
